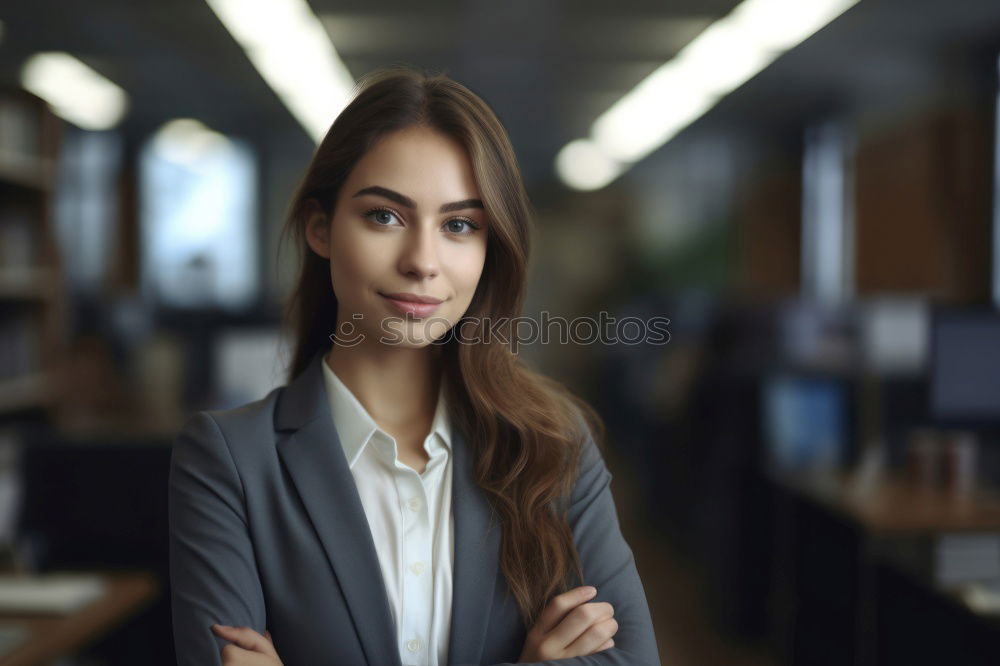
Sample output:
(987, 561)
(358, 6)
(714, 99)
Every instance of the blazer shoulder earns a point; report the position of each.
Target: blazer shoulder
(590, 468)
(591, 447)
(252, 422)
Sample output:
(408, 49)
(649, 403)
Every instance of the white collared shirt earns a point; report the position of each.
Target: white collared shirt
(410, 519)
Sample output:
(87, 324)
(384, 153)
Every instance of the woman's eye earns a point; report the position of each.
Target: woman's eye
(461, 226)
(380, 216)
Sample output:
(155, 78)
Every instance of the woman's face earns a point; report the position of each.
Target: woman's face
(408, 221)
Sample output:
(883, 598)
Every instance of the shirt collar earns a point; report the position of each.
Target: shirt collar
(355, 426)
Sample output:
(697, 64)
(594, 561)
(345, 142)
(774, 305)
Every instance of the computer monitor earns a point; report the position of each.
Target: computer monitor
(249, 362)
(965, 367)
(807, 422)
(895, 336)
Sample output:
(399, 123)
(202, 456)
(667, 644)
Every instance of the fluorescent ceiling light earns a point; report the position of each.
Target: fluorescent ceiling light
(725, 56)
(74, 91)
(293, 53)
(583, 166)
(187, 141)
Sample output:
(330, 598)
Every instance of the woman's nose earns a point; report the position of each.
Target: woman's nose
(420, 254)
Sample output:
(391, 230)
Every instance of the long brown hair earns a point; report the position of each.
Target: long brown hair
(526, 430)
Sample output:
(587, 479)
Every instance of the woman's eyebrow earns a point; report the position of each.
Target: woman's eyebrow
(404, 200)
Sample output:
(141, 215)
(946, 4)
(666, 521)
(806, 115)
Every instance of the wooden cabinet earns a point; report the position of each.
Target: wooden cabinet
(32, 303)
(923, 197)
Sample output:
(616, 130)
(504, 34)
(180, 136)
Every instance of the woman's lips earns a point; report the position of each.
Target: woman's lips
(412, 308)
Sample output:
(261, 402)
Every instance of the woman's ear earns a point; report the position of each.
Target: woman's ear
(317, 229)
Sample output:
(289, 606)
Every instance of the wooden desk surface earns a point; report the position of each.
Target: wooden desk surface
(896, 505)
(54, 636)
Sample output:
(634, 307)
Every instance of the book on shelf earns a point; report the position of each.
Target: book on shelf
(19, 241)
(19, 336)
(20, 130)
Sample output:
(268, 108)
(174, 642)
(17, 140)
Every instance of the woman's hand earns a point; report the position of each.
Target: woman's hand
(247, 647)
(569, 627)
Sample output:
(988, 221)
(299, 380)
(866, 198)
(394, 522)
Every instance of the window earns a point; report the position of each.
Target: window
(198, 218)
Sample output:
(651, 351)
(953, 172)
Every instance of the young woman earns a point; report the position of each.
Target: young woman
(414, 495)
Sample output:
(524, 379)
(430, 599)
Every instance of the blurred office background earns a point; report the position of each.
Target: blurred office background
(807, 470)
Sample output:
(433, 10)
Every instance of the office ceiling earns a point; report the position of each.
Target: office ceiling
(548, 68)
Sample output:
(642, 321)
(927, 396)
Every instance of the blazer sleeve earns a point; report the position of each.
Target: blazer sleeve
(213, 571)
(608, 565)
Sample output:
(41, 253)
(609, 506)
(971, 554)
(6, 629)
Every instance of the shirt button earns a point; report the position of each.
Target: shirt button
(413, 645)
(417, 568)
(414, 503)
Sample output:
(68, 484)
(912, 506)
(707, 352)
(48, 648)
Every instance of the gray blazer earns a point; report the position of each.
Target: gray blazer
(267, 530)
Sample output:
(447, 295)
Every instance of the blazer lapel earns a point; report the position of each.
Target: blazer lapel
(316, 463)
(477, 549)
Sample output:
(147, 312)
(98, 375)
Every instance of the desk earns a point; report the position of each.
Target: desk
(894, 506)
(854, 575)
(54, 636)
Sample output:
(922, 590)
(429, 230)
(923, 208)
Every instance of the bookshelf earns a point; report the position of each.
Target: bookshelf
(32, 302)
